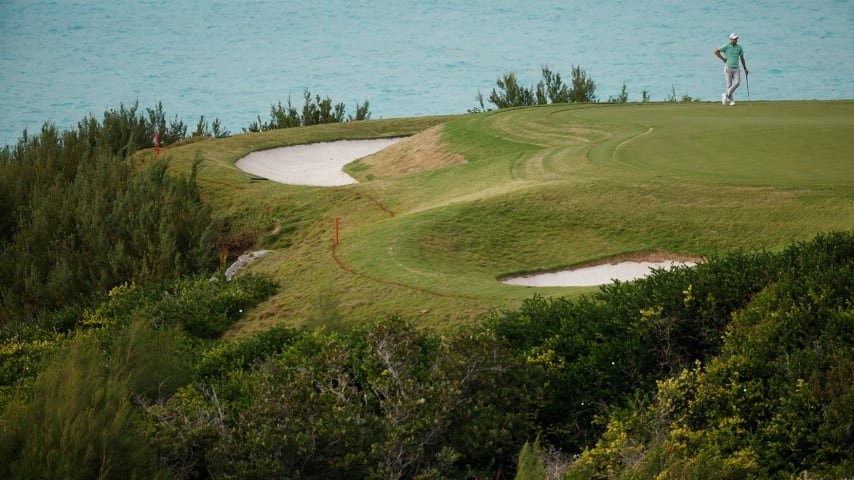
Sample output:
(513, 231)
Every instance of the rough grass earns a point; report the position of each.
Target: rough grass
(417, 155)
(472, 198)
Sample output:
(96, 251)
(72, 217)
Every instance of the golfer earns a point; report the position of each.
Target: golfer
(730, 54)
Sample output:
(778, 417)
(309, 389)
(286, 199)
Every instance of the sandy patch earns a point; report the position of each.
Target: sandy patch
(595, 275)
(315, 164)
(624, 268)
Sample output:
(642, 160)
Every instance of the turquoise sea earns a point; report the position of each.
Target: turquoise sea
(63, 59)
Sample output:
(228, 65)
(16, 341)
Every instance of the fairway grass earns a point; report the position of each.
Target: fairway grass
(526, 190)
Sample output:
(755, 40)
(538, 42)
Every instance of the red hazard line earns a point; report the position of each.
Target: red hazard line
(396, 284)
(375, 202)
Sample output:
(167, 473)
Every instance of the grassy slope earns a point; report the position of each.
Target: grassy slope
(540, 189)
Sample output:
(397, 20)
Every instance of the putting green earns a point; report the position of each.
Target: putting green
(777, 144)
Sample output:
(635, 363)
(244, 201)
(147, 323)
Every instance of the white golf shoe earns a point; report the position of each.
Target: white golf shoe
(731, 103)
(723, 98)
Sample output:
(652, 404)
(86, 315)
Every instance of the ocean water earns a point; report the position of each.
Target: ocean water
(61, 60)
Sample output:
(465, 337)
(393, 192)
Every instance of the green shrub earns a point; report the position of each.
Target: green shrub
(598, 350)
(202, 307)
(583, 87)
(228, 356)
(85, 424)
(550, 89)
(197, 306)
(26, 348)
(385, 400)
(315, 111)
(85, 220)
(206, 309)
(511, 94)
(774, 401)
(21, 359)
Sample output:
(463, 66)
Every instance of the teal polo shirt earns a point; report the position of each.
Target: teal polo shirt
(732, 53)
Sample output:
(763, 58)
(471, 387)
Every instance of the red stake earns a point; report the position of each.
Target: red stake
(157, 143)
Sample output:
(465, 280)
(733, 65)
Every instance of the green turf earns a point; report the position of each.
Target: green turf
(541, 189)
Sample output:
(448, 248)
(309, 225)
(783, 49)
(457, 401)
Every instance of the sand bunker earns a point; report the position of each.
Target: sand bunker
(315, 164)
(594, 275)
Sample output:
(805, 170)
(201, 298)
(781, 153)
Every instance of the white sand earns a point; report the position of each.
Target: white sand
(315, 164)
(592, 276)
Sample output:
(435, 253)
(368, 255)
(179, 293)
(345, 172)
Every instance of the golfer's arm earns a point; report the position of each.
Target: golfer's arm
(718, 54)
(743, 63)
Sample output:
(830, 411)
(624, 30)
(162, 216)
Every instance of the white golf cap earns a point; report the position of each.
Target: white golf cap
(732, 35)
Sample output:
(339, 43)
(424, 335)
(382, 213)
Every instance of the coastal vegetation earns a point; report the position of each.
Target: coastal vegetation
(79, 216)
(550, 89)
(396, 353)
(315, 111)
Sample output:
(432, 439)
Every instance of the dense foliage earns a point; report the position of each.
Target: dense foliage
(78, 218)
(315, 111)
(777, 401)
(381, 401)
(84, 390)
(550, 89)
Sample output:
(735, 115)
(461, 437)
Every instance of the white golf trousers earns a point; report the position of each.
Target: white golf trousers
(733, 79)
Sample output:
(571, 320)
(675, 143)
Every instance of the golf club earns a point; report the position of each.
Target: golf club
(747, 81)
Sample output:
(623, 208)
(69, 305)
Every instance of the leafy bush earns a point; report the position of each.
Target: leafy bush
(86, 424)
(21, 359)
(85, 399)
(771, 399)
(315, 111)
(25, 349)
(82, 220)
(382, 401)
(600, 351)
(511, 94)
(583, 87)
(200, 306)
(550, 89)
(225, 357)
